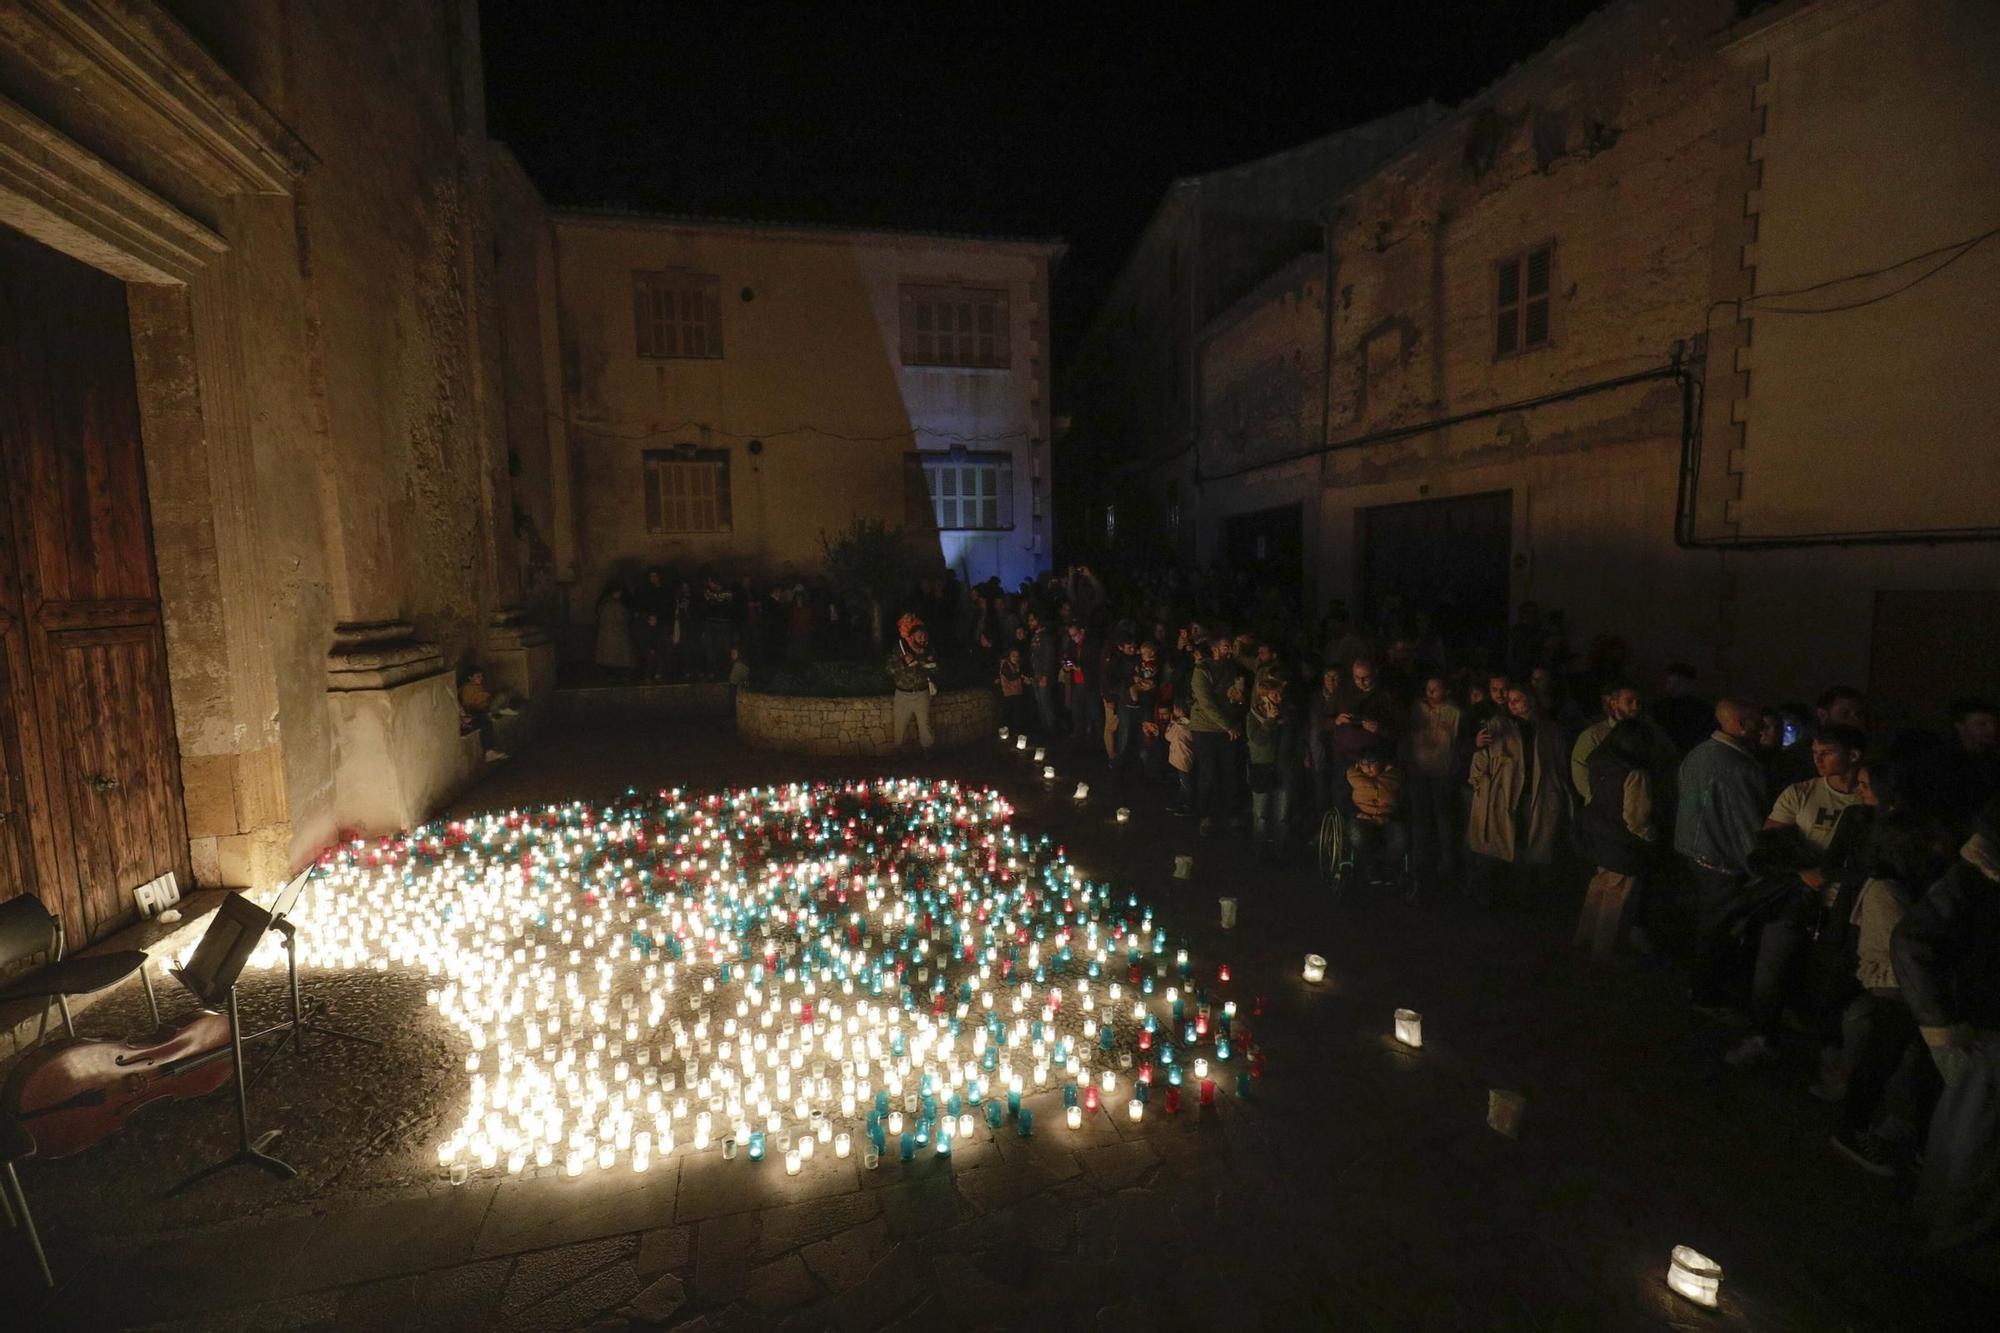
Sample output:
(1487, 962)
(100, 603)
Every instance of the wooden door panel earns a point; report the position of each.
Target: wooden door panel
(17, 808)
(116, 740)
(96, 755)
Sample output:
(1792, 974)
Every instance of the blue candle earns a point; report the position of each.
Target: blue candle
(1024, 1124)
(756, 1145)
(906, 1147)
(1014, 1101)
(1069, 1093)
(943, 1142)
(995, 1113)
(882, 1102)
(1243, 1084)
(1174, 1075)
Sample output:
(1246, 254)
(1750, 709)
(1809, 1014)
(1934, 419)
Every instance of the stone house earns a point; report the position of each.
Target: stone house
(1132, 390)
(1648, 331)
(733, 392)
(256, 410)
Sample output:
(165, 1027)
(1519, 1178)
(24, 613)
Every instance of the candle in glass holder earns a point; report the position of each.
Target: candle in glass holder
(1410, 1028)
(1208, 1092)
(1315, 969)
(843, 1144)
(1074, 1114)
(1048, 772)
(792, 1162)
(1135, 1110)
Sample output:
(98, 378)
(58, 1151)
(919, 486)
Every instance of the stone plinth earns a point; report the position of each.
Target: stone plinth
(813, 724)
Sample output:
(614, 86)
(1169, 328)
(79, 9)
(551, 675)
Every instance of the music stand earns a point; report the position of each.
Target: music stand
(211, 976)
(300, 1021)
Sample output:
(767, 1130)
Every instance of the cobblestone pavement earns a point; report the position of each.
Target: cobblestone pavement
(1360, 1188)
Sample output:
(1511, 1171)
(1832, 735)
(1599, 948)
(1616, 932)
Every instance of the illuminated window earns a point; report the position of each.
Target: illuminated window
(973, 491)
(955, 326)
(676, 313)
(1522, 284)
(687, 490)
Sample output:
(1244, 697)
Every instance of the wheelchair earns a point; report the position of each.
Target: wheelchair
(1339, 854)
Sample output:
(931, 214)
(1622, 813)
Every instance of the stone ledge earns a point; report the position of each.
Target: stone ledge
(812, 724)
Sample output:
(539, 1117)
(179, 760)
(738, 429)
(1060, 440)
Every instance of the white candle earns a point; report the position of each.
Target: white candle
(1075, 1117)
(792, 1162)
(843, 1144)
(1135, 1109)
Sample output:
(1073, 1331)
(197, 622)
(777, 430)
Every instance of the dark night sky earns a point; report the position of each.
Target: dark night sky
(1042, 126)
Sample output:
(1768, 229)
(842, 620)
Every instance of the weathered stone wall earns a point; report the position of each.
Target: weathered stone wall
(811, 725)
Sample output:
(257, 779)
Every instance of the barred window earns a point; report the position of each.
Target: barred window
(955, 326)
(1522, 284)
(687, 490)
(971, 491)
(677, 313)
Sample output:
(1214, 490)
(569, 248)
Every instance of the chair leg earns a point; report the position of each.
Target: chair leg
(28, 1224)
(7, 1202)
(69, 1023)
(152, 1001)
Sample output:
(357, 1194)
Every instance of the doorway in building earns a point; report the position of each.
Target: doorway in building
(90, 786)
(1267, 546)
(1446, 558)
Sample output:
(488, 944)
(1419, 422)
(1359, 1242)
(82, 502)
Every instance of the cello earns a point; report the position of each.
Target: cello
(76, 1092)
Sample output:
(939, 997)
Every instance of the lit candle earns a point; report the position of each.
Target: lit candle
(1074, 1114)
(843, 1144)
(1694, 1275)
(1315, 969)
(1048, 773)
(792, 1162)
(1135, 1110)
(1410, 1028)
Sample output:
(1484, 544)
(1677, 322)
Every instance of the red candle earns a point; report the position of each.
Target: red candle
(1173, 1101)
(1208, 1092)
(1222, 973)
(1145, 1041)
(1090, 1098)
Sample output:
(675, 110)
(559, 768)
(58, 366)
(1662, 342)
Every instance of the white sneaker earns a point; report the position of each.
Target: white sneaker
(1751, 1053)
(495, 756)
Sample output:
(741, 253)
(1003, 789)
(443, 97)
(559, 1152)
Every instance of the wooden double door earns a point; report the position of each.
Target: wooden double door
(90, 788)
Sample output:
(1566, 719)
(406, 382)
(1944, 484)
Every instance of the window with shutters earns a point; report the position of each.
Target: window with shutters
(970, 491)
(677, 313)
(1521, 288)
(955, 326)
(687, 490)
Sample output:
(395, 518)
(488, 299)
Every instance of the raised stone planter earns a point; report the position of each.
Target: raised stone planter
(807, 724)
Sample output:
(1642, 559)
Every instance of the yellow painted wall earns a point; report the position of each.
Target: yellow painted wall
(811, 368)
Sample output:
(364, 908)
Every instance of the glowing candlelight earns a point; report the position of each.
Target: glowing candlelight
(1694, 1275)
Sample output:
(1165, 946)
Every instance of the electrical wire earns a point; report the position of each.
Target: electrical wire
(1754, 305)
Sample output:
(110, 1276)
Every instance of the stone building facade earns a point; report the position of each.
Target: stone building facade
(1133, 389)
(301, 306)
(732, 393)
(1534, 358)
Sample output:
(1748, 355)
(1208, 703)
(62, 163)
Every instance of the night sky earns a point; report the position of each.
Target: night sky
(1008, 124)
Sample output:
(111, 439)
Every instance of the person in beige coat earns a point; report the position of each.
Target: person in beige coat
(1520, 795)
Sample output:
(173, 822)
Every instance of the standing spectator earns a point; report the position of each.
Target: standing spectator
(614, 635)
(913, 672)
(1271, 735)
(1320, 715)
(1079, 666)
(1721, 790)
(1015, 705)
(1136, 707)
(1216, 721)
(1435, 758)
(1180, 758)
(1044, 665)
(1363, 714)
(1619, 831)
(1961, 778)
(1687, 716)
(718, 613)
(1946, 953)
(1114, 684)
(1519, 780)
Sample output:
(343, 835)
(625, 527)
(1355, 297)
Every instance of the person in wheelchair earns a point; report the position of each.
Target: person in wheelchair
(1375, 788)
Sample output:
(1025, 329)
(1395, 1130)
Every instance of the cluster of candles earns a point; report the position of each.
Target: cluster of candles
(790, 969)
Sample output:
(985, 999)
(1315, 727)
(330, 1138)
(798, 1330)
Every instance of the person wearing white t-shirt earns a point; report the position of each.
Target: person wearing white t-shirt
(1812, 809)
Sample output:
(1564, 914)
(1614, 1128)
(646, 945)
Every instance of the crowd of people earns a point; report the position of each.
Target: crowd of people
(1826, 886)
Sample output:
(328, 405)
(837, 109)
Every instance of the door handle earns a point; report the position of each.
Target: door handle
(101, 784)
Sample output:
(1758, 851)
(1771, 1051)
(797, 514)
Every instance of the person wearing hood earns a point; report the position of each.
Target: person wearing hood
(1946, 955)
(913, 671)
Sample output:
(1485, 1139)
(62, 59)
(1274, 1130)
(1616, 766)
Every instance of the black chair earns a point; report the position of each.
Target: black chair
(27, 929)
(16, 1144)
